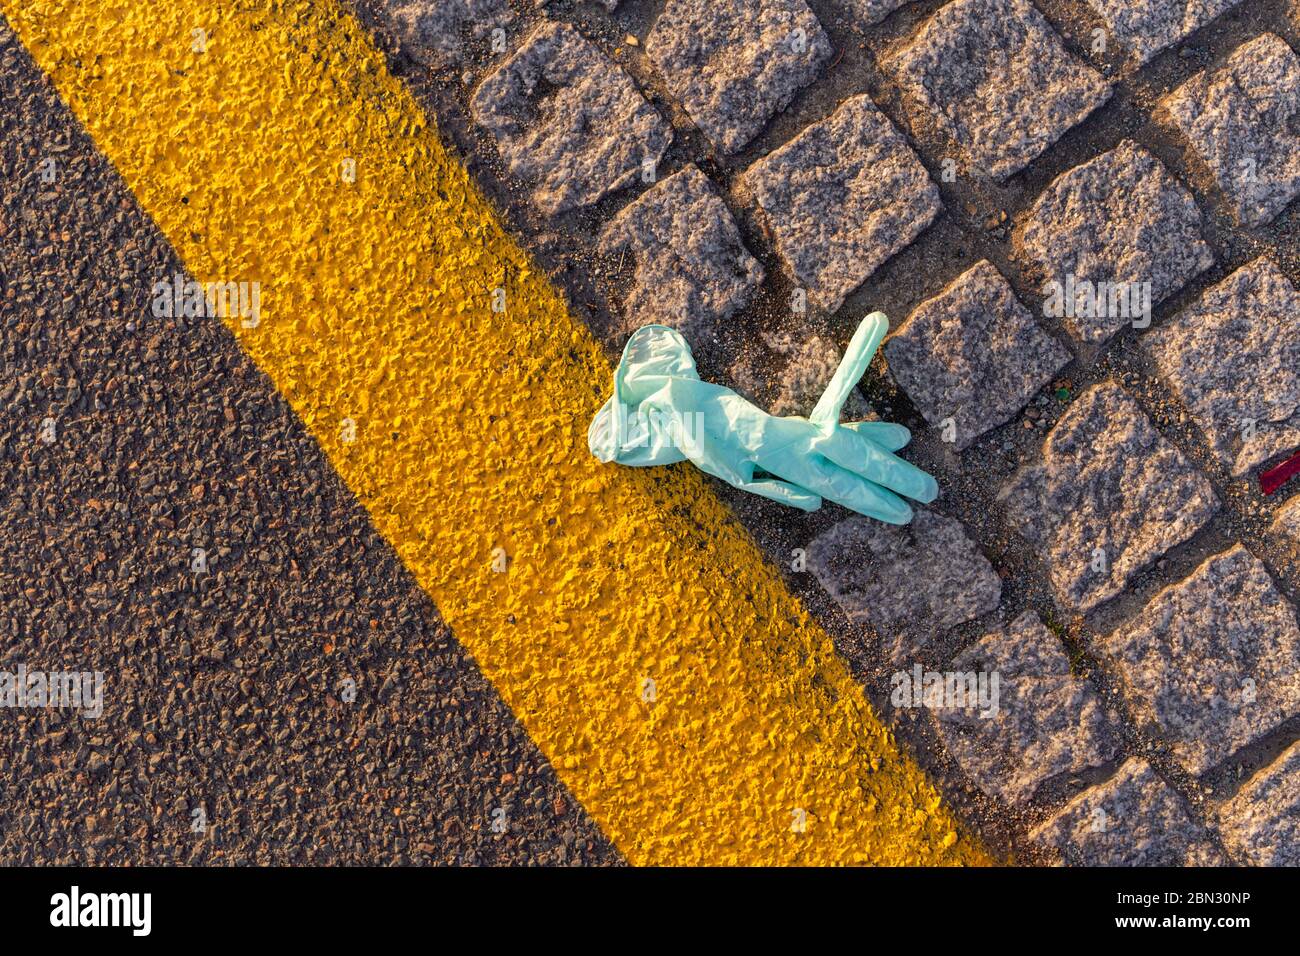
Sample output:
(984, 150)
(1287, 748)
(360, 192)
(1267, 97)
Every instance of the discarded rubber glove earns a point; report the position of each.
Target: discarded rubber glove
(661, 413)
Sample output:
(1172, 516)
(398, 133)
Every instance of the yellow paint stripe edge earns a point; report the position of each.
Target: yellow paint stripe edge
(235, 124)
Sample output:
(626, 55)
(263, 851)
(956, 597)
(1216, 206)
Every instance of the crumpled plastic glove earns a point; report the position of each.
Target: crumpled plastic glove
(661, 413)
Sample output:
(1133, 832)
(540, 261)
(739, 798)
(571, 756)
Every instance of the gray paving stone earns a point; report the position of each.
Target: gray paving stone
(1213, 661)
(841, 198)
(1119, 219)
(1243, 123)
(1048, 721)
(1261, 824)
(735, 63)
(909, 582)
(974, 354)
(1233, 358)
(1145, 27)
(433, 31)
(996, 80)
(568, 121)
(1133, 819)
(1286, 524)
(1108, 498)
(692, 269)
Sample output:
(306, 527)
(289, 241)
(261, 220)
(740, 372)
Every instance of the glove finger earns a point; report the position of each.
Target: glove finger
(850, 450)
(854, 492)
(871, 330)
(887, 435)
(844, 487)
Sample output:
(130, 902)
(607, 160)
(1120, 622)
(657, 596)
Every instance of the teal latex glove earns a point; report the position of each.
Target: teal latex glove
(661, 413)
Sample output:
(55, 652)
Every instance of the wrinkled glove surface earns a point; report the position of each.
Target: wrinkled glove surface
(661, 413)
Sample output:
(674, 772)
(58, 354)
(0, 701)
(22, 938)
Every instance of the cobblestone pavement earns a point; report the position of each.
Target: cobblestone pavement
(1080, 219)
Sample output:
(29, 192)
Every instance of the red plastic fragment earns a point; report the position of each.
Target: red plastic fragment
(1273, 479)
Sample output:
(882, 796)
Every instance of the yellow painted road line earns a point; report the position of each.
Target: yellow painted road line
(236, 125)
